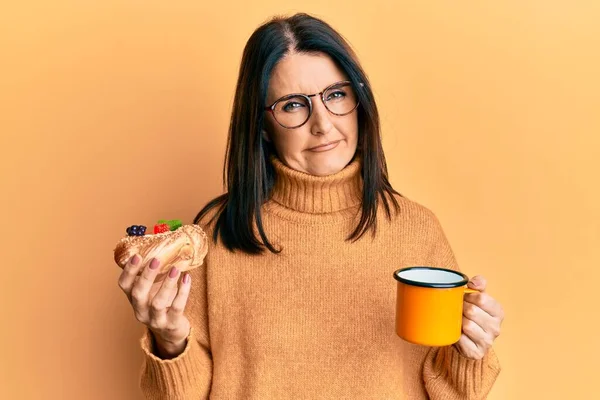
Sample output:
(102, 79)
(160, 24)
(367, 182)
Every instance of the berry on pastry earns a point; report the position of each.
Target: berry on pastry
(136, 230)
(161, 228)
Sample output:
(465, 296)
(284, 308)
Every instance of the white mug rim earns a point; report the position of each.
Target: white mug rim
(436, 285)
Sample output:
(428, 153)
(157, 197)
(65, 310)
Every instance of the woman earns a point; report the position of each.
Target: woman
(296, 297)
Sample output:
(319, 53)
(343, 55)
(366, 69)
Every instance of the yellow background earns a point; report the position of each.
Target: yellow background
(115, 112)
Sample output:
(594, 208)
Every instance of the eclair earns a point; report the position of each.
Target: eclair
(173, 244)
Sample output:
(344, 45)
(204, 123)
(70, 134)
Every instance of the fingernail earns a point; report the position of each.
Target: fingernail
(135, 260)
(154, 263)
(173, 272)
(186, 279)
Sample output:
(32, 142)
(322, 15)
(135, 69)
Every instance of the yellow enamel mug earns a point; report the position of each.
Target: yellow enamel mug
(429, 305)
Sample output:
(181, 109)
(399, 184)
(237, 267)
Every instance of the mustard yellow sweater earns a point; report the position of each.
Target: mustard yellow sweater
(317, 320)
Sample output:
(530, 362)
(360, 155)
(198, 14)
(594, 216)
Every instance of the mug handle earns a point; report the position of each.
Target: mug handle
(469, 290)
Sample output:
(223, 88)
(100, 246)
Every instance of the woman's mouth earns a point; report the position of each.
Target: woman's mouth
(325, 146)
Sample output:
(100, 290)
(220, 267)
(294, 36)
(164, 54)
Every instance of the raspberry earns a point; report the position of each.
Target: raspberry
(160, 228)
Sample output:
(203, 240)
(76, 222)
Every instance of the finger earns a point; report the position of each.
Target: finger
(178, 305)
(488, 323)
(466, 345)
(476, 333)
(486, 302)
(129, 273)
(162, 301)
(141, 288)
(478, 282)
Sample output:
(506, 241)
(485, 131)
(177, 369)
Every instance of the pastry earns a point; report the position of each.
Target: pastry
(173, 244)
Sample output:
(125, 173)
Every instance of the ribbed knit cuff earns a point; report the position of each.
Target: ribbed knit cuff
(450, 375)
(174, 378)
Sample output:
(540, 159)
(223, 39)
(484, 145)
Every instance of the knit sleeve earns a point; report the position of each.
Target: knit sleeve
(189, 375)
(447, 374)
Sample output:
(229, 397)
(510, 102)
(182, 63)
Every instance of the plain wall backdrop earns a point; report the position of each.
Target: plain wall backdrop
(115, 113)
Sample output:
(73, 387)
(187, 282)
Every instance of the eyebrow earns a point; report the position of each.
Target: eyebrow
(308, 94)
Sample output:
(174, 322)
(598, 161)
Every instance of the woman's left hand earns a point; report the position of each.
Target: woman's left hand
(482, 317)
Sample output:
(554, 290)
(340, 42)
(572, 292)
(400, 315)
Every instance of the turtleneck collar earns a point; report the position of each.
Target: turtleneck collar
(313, 194)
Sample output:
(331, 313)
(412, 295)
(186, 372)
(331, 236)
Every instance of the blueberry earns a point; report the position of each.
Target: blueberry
(128, 230)
(142, 230)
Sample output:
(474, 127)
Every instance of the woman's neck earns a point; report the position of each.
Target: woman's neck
(317, 194)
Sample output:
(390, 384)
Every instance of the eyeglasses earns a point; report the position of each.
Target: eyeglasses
(294, 110)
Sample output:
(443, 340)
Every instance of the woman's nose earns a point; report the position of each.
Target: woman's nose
(320, 119)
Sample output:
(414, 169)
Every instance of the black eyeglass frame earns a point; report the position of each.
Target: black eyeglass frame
(271, 108)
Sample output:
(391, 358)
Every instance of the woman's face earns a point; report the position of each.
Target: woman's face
(298, 148)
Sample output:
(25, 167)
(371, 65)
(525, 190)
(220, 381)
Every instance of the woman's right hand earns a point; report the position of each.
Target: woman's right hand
(158, 305)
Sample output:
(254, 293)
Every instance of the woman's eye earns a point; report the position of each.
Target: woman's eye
(336, 95)
(292, 106)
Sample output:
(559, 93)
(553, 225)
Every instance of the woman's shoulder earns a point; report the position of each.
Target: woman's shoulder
(208, 215)
(411, 211)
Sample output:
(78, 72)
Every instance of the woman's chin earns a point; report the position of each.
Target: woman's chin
(327, 167)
